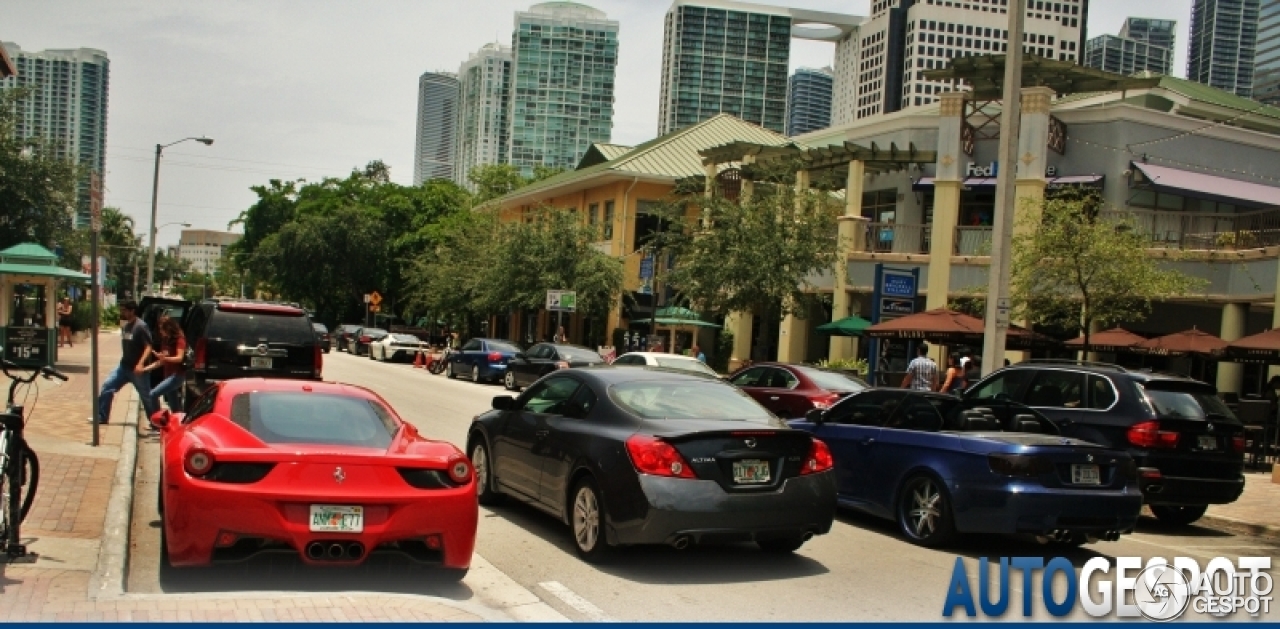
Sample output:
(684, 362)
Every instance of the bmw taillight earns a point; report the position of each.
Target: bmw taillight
(1148, 435)
(819, 459)
(459, 470)
(202, 353)
(1237, 444)
(651, 455)
(319, 362)
(198, 462)
(495, 357)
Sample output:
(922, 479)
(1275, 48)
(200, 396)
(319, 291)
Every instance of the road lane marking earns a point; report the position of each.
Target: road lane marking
(581, 605)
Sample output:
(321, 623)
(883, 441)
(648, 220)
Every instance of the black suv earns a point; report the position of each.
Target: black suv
(1188, 445)
(248, 339)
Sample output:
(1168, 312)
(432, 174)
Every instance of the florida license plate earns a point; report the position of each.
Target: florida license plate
(258, 362)
(1208, 442)
(750, 472)
(336, 519)
(1085, 475)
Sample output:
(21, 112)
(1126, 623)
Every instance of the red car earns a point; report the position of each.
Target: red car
(327, 471)
(790, 391)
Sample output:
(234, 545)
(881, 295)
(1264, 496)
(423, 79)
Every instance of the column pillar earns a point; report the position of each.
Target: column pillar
(851, 230)
(1033, 149)
(793, 338)
(748, 185)
(1234, 319)
(946, 198)
(739, 323)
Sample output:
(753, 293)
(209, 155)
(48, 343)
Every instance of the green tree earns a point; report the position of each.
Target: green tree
(37, 188)
(1073, 268)
(494, 180)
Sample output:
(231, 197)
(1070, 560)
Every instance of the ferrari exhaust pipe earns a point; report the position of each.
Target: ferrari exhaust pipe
(336, 551)
(315, 551)
(355, 551)
(681, 542)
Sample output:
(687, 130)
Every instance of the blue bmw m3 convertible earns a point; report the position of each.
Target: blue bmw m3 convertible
(939, 466)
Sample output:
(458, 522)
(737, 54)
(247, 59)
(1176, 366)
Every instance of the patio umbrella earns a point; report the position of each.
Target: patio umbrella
(1191, 341)
(1108, 340)
(670, 322)
(676, 312)
(1260, 348)
(848, 326)
(948, 326)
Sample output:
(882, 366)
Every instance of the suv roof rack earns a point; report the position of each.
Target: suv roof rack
(1072, 361)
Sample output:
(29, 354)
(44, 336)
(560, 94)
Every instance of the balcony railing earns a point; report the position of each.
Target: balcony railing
(897, 238)
(973, 241)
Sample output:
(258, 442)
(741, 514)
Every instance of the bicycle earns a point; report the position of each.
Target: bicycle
(18, 463)
(438, 365)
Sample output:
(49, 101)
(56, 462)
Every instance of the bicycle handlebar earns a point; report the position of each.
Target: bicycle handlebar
(47, 372)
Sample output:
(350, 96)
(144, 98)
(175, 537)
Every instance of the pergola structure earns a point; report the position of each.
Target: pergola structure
(984, 74)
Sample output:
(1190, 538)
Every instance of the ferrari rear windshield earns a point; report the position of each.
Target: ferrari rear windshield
(313, 418)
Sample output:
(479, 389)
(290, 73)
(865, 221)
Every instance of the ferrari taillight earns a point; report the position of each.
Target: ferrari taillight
(202, 353)
(459, 470)
(198, 462)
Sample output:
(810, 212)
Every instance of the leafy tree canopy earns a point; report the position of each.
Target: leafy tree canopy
(37, 188)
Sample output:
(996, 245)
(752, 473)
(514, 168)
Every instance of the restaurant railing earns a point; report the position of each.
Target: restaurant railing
(897, 238)
(1203, 230)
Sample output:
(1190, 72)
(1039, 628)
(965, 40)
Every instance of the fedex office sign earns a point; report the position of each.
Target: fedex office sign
(991, 170)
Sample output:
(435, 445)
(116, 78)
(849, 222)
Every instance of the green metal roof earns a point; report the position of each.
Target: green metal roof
(42, 270)
(29, 258)
(672, 156)
(28, 250)
(1221, 98)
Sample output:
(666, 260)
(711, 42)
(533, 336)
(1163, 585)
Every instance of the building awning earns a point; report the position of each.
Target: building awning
(1053, 182)
(1202, 186)
(42, 270)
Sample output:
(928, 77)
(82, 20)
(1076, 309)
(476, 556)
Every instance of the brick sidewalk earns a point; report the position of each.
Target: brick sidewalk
(1254, 513)
(67, 529)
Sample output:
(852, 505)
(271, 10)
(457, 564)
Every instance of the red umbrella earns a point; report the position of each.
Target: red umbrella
(1191, 341)
(948, 326)
(1260, 348)
(1108, 340)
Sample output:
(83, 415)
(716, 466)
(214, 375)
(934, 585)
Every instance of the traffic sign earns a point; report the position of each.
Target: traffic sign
(375, 308)
(562, 300)
(375, 298)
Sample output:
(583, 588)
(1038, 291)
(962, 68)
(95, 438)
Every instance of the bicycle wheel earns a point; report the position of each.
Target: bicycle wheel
(13, 498)
(31, 479)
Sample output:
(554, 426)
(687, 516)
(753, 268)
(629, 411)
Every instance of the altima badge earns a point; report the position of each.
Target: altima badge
(338, 476)
(751, 443)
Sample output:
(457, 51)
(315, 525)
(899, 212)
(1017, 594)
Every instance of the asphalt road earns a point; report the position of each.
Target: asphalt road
(863, 570)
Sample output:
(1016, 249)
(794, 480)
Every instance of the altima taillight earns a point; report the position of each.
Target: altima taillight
(651, 455)
(819, 459)
(202, 353)
(198, 462)
(1148, 435)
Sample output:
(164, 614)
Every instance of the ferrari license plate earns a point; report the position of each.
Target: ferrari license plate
(750, 472)
(1085, 475)
(335, 519)
(258, 362)
(1208, 442)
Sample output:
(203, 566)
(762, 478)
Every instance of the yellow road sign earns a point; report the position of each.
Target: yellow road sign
(375, 298)
(375, 308)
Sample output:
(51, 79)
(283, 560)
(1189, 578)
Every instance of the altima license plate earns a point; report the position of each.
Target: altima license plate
(334, 519)
(750, 472)
(258, 362)
(1085, 475)
(1208, 442)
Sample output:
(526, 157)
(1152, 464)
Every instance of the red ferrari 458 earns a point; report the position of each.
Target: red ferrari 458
(328, 471)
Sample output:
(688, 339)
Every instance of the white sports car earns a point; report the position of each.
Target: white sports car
(396, 347)
(667, 361)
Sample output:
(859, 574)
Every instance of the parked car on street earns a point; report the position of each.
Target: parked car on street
(641, 456)
(328, 472)
(342, 336)
(396, 347)
(322, 335)
(362, 338)
(941, 466)
(528, 366)
(1189, 447)
(666, 361)
(481, 360)
(792, 390)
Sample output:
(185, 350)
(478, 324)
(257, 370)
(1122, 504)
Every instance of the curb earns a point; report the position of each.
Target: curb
(1239, 527)
(108, 577)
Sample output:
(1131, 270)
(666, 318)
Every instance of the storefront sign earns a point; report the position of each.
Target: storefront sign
(993, 170)
(27, 346)
(890, 308)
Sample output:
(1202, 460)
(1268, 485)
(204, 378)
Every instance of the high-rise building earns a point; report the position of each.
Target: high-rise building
(721, 56)
(67, 106)
(1224, 38)
(485, 90)
(433, 157)
(1266, 79)
(880, 67)
(205, 248)
(808, 100)
(1144, 45)
(564, 55)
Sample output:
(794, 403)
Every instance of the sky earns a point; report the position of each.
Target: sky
(313, 88)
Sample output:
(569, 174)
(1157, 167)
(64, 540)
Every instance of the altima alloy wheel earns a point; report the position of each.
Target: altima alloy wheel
(925, 509)
(586, 519)
(480, 461)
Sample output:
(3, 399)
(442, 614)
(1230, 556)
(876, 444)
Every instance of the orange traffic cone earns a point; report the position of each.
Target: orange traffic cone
(417, 361)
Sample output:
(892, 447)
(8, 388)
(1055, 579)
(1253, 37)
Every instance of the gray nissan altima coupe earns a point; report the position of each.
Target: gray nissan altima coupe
(651, 456)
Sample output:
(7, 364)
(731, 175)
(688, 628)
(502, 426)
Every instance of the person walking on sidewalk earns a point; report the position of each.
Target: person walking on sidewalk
(922, 373)
(64, 322)
(135, 340)
(173, 352)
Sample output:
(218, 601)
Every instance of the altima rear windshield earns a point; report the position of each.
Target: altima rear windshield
(256, 327)
(313, 418)
(688, 400)
(578, 355)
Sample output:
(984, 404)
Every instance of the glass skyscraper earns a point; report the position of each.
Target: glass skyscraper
(483, 133)
(1266, 80)
(564, 56)
(808, 101)
(1144, 45)
(1224, 38)
(433, 157)
(67, 106)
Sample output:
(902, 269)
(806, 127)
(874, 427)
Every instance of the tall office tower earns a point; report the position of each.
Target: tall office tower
(808, 100)
(1224, 38)
(1143, 45)
(1266, 80)
(67, 106)
(880, 68)
(485, 92)
(433, 157)
(562, 81)
(721, 56)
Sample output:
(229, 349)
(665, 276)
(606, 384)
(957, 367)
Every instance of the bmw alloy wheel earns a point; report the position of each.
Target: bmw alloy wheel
(923, 512)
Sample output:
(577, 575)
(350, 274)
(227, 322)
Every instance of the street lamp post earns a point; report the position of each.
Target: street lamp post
(155, 192)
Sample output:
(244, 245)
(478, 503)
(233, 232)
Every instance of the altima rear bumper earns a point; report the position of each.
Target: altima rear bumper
(704, 512)
(1027, 508)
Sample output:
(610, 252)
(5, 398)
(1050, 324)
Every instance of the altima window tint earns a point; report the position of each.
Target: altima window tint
(552, 396)
(313, 418)
(688, 400)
